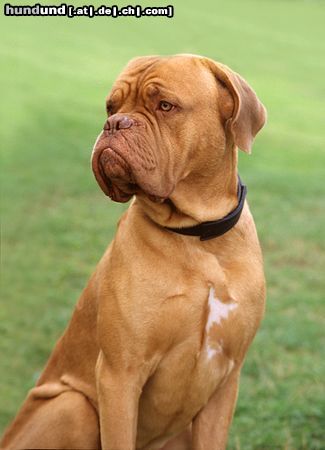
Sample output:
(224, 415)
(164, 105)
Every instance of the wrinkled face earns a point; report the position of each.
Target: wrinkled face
(161, 113)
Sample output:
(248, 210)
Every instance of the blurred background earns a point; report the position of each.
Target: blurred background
(56, 223)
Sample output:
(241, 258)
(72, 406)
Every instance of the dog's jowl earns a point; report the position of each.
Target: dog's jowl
(151, 358)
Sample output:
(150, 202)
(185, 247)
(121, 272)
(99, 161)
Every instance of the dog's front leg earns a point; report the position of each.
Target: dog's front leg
(211, 426)
(118, 397)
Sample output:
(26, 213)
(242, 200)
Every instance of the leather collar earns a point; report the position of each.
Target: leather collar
(215, 228)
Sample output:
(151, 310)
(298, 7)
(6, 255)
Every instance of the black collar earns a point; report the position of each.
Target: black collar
(215, 228)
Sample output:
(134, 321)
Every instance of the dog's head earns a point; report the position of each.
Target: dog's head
(169, 117)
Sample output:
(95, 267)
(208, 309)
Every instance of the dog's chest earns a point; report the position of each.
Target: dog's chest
(190, 371)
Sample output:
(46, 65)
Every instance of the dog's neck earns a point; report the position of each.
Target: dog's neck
(197, 198)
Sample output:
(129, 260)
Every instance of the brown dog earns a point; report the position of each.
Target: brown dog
(153, 352)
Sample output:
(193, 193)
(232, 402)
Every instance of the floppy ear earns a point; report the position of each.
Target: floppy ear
(248, 115)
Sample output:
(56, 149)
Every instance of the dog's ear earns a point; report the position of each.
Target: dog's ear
(248, 114)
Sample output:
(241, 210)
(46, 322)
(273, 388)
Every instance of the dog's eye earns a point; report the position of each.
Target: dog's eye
(165, 106)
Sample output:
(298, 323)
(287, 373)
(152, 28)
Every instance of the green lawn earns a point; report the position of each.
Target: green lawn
(56, 222)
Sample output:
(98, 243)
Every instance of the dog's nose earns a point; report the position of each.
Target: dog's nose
(118, 122)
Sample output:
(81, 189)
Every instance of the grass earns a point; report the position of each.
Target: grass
(56, 223)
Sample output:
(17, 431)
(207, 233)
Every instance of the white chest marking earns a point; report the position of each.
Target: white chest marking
(217, 310)
(212, 351)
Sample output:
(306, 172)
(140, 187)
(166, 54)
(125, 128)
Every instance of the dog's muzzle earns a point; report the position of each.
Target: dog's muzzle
(125, 161)
(112, 171)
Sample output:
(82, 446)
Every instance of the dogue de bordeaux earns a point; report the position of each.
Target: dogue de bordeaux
(151, 358)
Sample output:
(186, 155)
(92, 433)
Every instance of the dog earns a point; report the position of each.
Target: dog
(151, 358)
